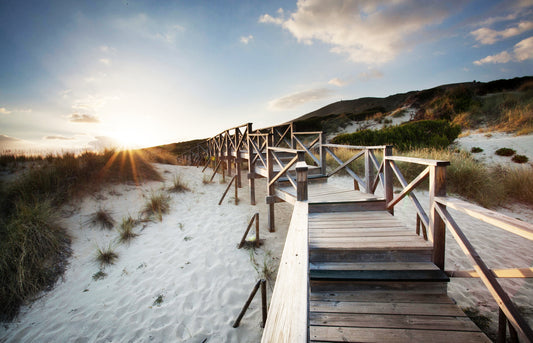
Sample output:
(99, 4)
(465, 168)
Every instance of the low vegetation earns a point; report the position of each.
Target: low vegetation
(33, 247)
(476, 150)
(157, 205)
(125, 230)
(106, 256)
(178, 185)
(102, 218)
(505, 152)
(520, 159)
(420, 134)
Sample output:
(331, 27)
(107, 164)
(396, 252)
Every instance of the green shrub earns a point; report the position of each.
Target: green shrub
(420, 134)
(519, 159)
(476, 150)
(505, 152)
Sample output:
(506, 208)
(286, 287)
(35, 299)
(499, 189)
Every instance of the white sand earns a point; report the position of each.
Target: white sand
(190, 258)
(490, 142)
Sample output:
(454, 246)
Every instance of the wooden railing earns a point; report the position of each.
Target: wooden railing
(373, 168)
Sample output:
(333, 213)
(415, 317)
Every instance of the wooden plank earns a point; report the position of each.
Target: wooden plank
(288, 313)
(431, 322)
(403, 241)
(343, 334)
(499, 273)
(373, 266)
(345, 206)
(420, 254)
(354, 233)
(360, 224)
(383, 296)
(376, 243)
(386, 308)
(504, 222)
(416, 160)
(349, 215)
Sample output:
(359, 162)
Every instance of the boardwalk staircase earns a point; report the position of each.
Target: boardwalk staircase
(351, 271)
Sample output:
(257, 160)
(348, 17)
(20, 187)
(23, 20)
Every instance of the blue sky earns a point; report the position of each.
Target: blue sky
(83, 74)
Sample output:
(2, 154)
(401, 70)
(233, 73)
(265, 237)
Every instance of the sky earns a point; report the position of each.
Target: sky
(88, 74)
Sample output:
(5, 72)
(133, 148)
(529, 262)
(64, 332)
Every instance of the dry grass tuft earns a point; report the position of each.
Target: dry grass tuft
(125, 230)
(178, 185)
(101, 218)
(158, 205)
(105, 256)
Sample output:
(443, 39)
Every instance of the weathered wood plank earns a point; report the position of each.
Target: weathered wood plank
(373, 266)
(428, 322)
(383, 296)
(343, 334)
(288, 312)
(386, 308)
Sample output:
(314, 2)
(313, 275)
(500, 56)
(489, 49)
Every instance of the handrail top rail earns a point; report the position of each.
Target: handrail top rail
(225, 131)
(516, 226)
(292, 151)
(357, 147)
(423, 161)
(307, 133)
(274, 126)
(258, 134)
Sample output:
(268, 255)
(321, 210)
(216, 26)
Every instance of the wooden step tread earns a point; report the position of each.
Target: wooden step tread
(373, 266)
(379, 275)
(382, 296)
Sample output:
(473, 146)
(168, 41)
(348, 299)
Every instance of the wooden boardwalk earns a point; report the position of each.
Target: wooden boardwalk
(350, 271)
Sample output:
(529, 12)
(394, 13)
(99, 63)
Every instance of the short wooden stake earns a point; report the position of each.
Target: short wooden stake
(256, 219)
(261, 283)
(502, 327)
(226, 192)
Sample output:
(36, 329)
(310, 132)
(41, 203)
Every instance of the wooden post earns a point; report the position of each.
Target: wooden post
(301, 177)
(293, 143)
(251, 166)
(229, 157)
(270, 190)
(437, 188)
(323, 155)
(369, 171)
(502, 327)
(238, 161)
(264, 301)
(387, 175)
(248, 301)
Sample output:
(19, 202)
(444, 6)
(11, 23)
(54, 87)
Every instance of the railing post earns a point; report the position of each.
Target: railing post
(228, 153)
(323, 154)
(293, 143)
(238, 160)
(387, 175)
(369, 171)
(251, 165)
(271, 188)
(301, 177)
(437, 188)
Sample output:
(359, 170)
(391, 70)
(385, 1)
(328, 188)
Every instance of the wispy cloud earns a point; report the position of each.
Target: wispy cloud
(58, 137)
(246, 39)
(4, 138)
(147, 27)
(370, 74)
(105, 61)
(4, 110)
(300, 98)
(338, 82)
(522, 51)
(485, 35)
(367, 31)
(83, 118)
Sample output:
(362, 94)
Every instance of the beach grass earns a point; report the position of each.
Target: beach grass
(157, 205)
(33, 247)
(125, 230)
(178, 185)
(105, 256)
(101, 218)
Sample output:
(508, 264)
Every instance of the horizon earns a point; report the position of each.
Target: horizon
(85, 75)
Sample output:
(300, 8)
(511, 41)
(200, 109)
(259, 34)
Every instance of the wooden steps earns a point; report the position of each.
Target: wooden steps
(372, 280)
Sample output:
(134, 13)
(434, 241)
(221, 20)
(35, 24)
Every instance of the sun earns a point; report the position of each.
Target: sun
(133, 137)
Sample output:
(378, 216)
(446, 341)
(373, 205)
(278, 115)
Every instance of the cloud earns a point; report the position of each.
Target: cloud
(4, 138)
(105, 61)
(485, 35)
(58, 137)
(338, 82)
(300, 98)
(367, 31)
(370, 74)
(83, 118)
(522, 51)
(4, 110)
(246, 40)
(103, 142)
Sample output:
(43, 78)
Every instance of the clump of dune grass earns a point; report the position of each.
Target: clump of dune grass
(33, 254)
(105, 256)
(157, 205)
(178, 185)
(206, 179)
(102, 218)
(99, 275)
(476, 150)
(125, 229)
(505, 152)
(519, 159)
(158, 300)
(517, 182)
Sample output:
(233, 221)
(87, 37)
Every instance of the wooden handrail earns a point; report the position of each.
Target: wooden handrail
(292, 151)
(355, 147)
(504, 222)
(417, 160)
(283, 171)
(496, 290)
(307, 133)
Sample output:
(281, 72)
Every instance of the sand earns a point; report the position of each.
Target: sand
(190, 259)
